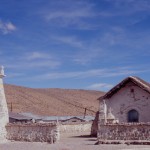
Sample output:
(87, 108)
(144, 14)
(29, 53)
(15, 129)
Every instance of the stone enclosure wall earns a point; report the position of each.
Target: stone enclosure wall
(43, 132)
(75, 127)
(33, 132)
(139, 132)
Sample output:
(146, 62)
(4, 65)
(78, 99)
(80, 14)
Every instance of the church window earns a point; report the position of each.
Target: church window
(133, 116)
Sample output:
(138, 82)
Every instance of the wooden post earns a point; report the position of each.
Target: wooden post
(85, 113)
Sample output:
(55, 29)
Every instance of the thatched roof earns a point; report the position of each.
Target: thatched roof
(136, 80)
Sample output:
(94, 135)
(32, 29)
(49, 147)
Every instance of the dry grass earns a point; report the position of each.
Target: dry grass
(52, 101)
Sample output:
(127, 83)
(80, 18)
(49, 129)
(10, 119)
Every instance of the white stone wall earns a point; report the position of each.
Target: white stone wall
(39, 132)
(125, 100)
(33, 132)
(135, 131)
(75, 128)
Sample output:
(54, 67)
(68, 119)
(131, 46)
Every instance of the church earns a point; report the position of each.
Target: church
(123, 114)
(128, 101)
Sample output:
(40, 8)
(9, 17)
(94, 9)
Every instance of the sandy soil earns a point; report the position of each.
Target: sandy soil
(52, 101)
(70, 142)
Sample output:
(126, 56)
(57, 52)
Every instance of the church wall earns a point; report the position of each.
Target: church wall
(127, 98)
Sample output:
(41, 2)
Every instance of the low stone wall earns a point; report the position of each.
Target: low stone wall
(130, 132)
(75, 127)
(33, 132)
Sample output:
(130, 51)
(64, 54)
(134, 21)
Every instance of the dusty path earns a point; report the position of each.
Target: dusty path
(70, 142)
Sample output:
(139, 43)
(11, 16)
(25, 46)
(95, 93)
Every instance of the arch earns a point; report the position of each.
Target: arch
(133, 116)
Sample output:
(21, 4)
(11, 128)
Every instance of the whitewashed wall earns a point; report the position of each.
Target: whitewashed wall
(75, 128)
(124, 100)
(33, 132)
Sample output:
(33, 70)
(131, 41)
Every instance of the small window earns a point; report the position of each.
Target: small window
(132, 90)
(74, 120)
(133, 116)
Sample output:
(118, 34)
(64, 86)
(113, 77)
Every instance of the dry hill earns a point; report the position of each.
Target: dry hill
(52, 101)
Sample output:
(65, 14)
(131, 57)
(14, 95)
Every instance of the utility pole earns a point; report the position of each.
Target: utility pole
(84, 113)
(11, 106)
(87, 108)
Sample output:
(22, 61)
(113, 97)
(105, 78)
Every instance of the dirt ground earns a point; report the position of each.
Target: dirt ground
(70, 142)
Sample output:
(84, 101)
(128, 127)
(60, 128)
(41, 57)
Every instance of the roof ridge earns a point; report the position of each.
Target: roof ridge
(139, 80)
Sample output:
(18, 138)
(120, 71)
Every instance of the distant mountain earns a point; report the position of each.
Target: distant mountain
(52, 101)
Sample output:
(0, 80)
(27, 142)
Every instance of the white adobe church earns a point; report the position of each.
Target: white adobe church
(123, 115)
(128, 101)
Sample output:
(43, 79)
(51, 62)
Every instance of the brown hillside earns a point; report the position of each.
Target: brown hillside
(51, 101)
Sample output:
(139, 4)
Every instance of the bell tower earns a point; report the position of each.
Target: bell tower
(4, 119)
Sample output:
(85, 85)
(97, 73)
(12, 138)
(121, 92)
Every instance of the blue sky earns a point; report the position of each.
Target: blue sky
(77, 44)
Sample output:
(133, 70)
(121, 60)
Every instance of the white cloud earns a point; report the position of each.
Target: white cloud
(87, 55)
(71, 14)
(122, 71)
(70, 40)
(45, 63)
(37, 55)
(34, 64)
(10, 26)
(14, 75)
(40, 59)
(86, 52)
(7, 27)
(116, 46)
(100, 86)
(33, 60)
(126, 7)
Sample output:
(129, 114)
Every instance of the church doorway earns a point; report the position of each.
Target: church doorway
(133, 116)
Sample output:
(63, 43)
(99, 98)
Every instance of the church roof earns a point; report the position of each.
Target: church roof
(136, 80)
